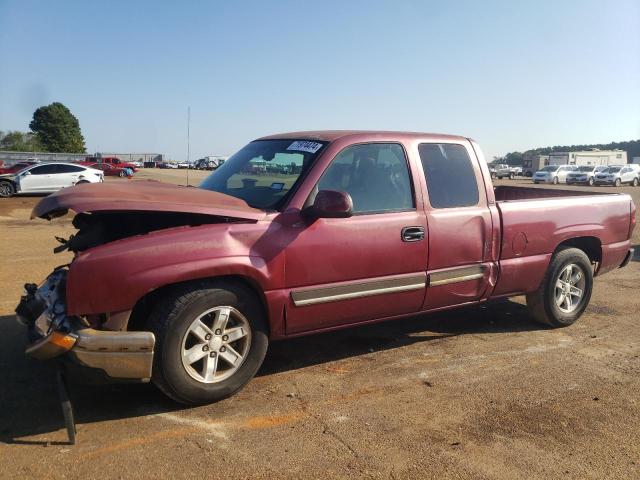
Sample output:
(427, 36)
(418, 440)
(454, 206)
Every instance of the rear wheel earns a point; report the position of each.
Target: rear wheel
(565, 291)
(6, 189)
(635, 182)
(555, 180)
(591, 182)
(617, 182)
(211, 338)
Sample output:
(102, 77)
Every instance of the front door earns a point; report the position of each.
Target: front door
(372, 265)
(38, 179)
(460, 226)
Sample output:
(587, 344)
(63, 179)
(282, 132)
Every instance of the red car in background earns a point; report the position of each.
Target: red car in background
(16, 167)
(113, 161)
(111, 170)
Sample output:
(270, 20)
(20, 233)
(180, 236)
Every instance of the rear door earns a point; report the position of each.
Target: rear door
(369, 266)
(460, 225)
(67, 175)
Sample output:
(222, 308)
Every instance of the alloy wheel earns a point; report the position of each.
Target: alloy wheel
(569, 288)
(216, 344)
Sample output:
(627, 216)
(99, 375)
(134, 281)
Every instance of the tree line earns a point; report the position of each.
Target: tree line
(632, 147)
(53, 129)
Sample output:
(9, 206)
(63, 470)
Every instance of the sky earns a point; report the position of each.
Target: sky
(513, 75)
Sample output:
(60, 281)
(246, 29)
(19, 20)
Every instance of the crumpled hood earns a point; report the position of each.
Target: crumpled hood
(149, 196)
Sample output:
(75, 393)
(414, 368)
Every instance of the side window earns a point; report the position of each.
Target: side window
(69, 169)
(43, 170)
(451, 180)
(376, 176)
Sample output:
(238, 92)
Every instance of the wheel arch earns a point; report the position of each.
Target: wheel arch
(591, 246)
(144, 305)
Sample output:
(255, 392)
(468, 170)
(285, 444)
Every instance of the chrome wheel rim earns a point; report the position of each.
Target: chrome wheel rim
(569, 288)
(5, 189)
(216, 345)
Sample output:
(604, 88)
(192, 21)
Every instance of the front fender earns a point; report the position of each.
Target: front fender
(113, 277)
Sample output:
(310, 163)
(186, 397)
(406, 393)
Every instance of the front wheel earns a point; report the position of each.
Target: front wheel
(6, 189)
(635, 182)
(555, 180)
(565, 291)
(591, 182)
(512, 176)
(617, 182)
(211, 338)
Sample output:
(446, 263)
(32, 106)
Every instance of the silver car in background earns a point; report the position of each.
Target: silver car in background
(585, 175)
(553, 174)
(617, 175)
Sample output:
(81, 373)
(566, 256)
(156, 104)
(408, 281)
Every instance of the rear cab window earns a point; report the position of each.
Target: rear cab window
(449, 174)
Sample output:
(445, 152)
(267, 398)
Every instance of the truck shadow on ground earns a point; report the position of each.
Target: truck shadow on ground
(29, 397)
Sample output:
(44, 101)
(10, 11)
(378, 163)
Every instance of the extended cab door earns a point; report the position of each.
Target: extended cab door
(461, 239)
(372, 265)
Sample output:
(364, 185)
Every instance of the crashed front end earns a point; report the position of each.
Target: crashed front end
(117, 355)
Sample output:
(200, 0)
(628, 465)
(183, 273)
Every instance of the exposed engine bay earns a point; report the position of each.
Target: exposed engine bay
(99, 228)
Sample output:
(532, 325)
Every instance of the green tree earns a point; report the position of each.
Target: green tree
(19, 142)
(57, 129)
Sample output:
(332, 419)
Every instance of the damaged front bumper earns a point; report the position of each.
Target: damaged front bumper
(121, 355)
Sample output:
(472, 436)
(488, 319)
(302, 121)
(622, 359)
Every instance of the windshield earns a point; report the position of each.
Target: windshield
(587, 168)
(550, 168)
(265, 171)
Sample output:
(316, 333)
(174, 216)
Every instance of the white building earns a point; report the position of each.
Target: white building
(589, 157)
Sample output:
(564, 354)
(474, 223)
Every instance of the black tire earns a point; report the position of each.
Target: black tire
(635, 182)
(7, 189)
(555, 180)
(512, 176)
(542, 304)
(122, 174)
(617, 183)
(535, 182)
(591, 182)
(170, 321)
(493, 175)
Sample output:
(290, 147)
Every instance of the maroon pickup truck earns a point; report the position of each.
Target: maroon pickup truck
(301, 233)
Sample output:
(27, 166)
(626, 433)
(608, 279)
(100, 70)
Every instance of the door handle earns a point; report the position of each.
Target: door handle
(412, 234)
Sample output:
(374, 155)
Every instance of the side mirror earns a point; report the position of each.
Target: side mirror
(28, 172)
(330, 204)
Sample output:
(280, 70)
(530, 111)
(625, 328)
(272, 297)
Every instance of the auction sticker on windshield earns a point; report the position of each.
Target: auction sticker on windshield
(305, 146)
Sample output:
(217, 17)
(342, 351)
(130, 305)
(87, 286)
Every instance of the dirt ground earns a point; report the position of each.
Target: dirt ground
(476, 393)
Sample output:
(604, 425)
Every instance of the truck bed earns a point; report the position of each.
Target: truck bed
(508, 193)
(535, 221)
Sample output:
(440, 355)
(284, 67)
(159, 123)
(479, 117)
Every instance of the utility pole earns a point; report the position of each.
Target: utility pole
(188, 142)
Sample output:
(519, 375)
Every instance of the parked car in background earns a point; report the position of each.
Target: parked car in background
(585, 175)
(194, 309)
(16, 167)
(115, 161)
(617, 175)
(137, 164)
(184, 165)
(517, 171)
(112, 170)
(553, 174)
(47, 178)
(501, 170)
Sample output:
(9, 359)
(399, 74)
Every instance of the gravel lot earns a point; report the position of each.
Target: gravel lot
(476, 393)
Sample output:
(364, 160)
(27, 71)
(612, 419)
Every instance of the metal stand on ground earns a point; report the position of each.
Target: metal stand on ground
(65, 404)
